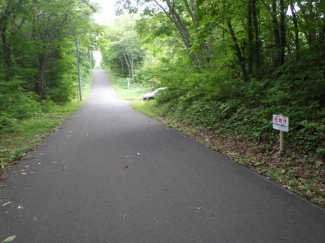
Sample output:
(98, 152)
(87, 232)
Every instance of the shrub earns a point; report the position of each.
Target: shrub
(16, 103)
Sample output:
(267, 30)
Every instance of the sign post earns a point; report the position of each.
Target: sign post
(128, 79)
(281, 123)
(281, 141)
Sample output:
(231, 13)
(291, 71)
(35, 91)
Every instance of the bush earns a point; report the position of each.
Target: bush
(16, 103)
(6, 121)
(244, 110)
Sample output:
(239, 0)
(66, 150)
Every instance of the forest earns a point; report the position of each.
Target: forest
(228, 67)
(38, 54)
(38, 67)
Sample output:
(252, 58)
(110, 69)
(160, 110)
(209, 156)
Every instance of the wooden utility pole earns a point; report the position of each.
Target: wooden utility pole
(79, 76)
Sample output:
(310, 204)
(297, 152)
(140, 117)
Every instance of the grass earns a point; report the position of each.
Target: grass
(25, 135)
(146, 107)
(133, 92)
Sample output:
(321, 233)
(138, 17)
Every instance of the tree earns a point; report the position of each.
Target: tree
(121, 45)
(253, 37)
(12, 19)
(52, 22)
(37, 52)
(183, 15)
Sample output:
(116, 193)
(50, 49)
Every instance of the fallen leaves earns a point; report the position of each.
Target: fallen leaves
(5, 204)
(257, 164)
(302, 187)
(9, 239)
(319, 163)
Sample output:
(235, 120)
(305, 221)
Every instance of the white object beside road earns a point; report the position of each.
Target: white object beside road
(281, 123)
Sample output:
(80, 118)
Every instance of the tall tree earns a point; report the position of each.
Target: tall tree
(11, 13)
(183, 15)
(121, 45)
(53, 21)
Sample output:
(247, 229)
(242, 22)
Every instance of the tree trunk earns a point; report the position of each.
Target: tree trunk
(283, 31)
(241, 59)
(44, 60)
(250, 36)
(127, 61)
(121, 64)
(6, 13)
(41, 83)
(295, 23)
(132, 64)
(191, 9)
(257, 40)
(182, 30)
(6, 48)
(312, 32)
(276, 36)
(308, 18)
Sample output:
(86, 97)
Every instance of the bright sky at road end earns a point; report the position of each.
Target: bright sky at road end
(104, 17)
(107, 13)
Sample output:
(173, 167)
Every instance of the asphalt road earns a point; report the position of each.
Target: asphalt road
(74, 188)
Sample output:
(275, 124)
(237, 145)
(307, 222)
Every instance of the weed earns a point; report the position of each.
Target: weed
(133, 92)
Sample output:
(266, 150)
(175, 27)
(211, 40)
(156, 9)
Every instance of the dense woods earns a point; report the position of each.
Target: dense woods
(38, 60)
(230, 65)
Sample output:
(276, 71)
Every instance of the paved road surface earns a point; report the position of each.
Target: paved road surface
(75, 187)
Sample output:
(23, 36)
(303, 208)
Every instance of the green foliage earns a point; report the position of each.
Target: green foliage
(321, 152)
(20, 136)
(230, 65)
(148, 108)
(38, 66)
(38, 55)
(121, 50)
(244, 110)
(16, 102)
(132, 92)
(9, 239)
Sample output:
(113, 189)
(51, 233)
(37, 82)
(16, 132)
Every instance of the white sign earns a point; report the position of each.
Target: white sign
(281, 123)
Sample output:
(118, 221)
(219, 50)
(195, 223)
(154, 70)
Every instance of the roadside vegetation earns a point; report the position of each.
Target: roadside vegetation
(38, 69)
(298, 172)
(132, 91)
(229, 66)
(20, 136)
